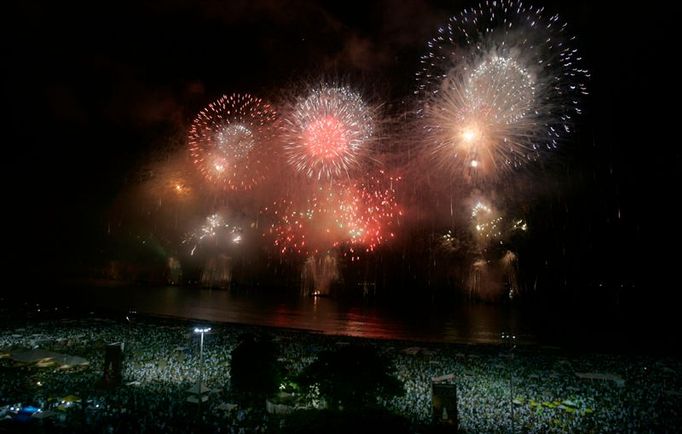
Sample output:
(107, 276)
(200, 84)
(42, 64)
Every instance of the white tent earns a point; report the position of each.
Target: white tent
(42, 357)
(226, 407)
(43, 414)
(194, 399)
(195, 390)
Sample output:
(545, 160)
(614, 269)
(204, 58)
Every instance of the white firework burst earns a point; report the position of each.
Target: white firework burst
(227, 138)
(498, 86)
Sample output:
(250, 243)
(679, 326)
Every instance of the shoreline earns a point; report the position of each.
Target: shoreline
(457, 323)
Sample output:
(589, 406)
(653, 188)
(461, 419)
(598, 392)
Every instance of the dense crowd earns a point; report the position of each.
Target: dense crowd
(162, 362)
(544, 390)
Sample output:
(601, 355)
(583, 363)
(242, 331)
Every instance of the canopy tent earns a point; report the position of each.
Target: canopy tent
(67, 361)
(45, 358)
(25, 414)
(71, 398)
(194, 399)
(226, 407)
(43, 414)
(601, 376)
(195, 390)
(32, 356)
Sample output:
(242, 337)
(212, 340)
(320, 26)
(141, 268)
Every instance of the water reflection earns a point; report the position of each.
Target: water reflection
(467, 323)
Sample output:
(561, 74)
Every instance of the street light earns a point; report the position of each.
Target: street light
(201, 354)
(511, 341)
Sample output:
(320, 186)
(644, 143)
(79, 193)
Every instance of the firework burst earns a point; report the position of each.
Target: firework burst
(328, 132)
(169, 180)
(227, 138)
(499, 85)
(487, 223)
(360, 215)
(215, 229)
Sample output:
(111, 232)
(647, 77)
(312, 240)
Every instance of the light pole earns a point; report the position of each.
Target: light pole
(201, 355)
(511, 341)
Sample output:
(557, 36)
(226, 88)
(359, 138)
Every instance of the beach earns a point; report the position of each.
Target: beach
(550, 389)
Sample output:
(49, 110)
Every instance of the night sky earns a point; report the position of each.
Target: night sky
(91, 90)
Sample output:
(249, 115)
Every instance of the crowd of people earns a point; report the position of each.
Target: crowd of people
(162, 362)
(537, 390)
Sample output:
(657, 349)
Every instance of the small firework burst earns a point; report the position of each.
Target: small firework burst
(487, 223)
(490, 225)
(227, 141)
(359, 215)
(215, 230)
(169, 180)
